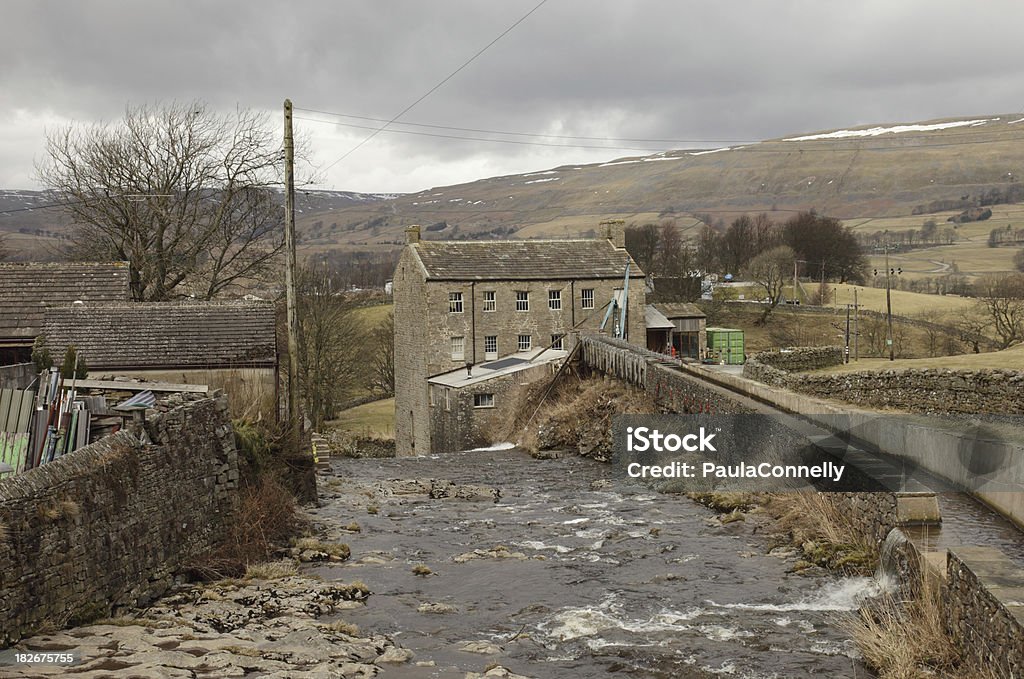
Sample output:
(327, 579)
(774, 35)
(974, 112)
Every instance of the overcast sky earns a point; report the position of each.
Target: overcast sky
(710, 72)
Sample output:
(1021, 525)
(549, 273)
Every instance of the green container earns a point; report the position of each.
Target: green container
(726, 344)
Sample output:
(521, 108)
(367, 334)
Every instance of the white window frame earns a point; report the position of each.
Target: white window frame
(455, 305)
(587, 298)
(522, 300)
(555, 300)
(490, 349)
(483, 400)
(460, 342)
(558, 342)
(528, 343)
(490, 300)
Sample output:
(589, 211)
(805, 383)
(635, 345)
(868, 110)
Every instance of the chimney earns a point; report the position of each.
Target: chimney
(412, 234)
(615, 232)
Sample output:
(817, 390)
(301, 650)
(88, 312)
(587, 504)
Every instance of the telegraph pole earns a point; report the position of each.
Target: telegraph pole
(294, 415)
(856, 326)
(888, 303)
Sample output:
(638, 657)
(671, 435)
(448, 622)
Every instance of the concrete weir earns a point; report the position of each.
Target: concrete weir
(983, 586)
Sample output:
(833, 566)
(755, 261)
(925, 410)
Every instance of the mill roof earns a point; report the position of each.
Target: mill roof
(679, 310)
(524, 260)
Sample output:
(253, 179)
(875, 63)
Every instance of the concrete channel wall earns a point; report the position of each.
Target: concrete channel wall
(110, 524)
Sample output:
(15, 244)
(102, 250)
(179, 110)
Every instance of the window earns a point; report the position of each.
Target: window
(489, 302)
(447, 399)
(557, 342)
(555, 300)
(490, 347)
(483, 400)
(455, 302)
(458, 348)
(433, 396)
(587, 298)
(524, 343)
(522, 300)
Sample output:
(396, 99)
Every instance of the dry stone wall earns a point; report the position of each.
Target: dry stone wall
(932, 391)
(110, 524)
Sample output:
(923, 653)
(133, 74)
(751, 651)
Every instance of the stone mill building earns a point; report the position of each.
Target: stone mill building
(480, 307)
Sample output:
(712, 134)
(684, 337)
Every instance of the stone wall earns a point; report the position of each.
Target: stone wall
(110, 524)
(875, 514)
(931, 391)
(670, 389)
(17, 376)
(984, 608)
(798, 359)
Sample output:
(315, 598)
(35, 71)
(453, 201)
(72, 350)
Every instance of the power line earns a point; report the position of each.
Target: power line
(438, 85)
(524, 134)
(465, 138)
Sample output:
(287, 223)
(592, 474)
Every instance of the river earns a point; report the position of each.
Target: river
(572, 573)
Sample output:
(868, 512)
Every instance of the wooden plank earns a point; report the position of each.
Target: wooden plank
(6, 395)
(143, 386)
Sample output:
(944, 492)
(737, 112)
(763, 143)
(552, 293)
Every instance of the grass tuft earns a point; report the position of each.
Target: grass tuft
(271, 570)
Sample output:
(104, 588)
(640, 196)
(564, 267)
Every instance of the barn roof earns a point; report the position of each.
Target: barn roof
(27, 288)
(679, 310)
(165, 335)
(595, 258)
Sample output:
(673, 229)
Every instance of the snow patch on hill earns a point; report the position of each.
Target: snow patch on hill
(895, 129)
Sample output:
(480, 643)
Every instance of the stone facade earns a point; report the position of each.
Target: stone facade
(457, 423)
(110, 524)
(425, 323)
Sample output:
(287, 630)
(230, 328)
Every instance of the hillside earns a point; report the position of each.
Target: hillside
(877, 171)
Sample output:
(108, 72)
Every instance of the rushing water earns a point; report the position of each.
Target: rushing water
(617, 579)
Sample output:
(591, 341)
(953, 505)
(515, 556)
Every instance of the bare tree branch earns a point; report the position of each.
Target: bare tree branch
(184, 194)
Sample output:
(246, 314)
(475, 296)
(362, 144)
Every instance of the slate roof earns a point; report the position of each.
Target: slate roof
(654, 320)
(679, 310)
(165, 335)
(27, 288)
(524, 260)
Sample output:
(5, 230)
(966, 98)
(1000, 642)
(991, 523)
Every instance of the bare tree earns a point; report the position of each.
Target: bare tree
(329, 347)
(771, 269)
(182, 193)
(1002, 301)
(383, 378)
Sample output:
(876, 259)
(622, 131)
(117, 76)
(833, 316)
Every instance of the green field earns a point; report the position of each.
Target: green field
(372, 316)
(903, 303)
(1011, 359)
(376, 418)
(969, 254)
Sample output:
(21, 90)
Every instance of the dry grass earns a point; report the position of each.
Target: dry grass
(826, 535)
(266, 516)
(376, 419)
(420, 569)
(271, 570)
(64, 509)
(1007, 359)
(907, 640)
(574, 408)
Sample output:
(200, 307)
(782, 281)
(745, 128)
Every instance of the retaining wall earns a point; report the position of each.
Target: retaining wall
(110, 524)
(930, 391)
(670, 389)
